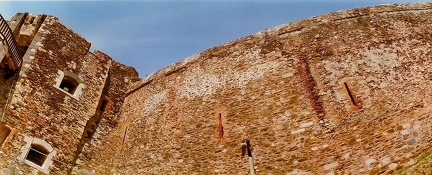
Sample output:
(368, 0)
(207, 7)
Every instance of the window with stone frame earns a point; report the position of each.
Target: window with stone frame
(37, 154)
(69, 83)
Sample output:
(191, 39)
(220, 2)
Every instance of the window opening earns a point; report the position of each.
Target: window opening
(350, 94)
(69, 84)
(221, 129)
(4, 133)
(246, 150)
(103, 104)
(37, 154)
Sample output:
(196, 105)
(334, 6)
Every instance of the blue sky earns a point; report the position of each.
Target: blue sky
(150, 35)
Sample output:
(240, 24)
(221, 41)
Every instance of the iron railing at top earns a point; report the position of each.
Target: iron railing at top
(8, 36)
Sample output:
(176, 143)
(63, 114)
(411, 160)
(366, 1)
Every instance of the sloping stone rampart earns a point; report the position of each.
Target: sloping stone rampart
(343, 93)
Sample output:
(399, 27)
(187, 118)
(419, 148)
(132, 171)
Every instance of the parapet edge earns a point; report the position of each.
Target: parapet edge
(288, 28)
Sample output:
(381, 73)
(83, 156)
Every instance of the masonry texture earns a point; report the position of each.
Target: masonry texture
(342, 93)
(39, 109)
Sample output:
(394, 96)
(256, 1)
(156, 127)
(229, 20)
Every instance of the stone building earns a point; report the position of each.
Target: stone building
(342, 93)
(52, 105)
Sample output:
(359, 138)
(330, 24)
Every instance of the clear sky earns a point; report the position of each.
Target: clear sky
(152, 34)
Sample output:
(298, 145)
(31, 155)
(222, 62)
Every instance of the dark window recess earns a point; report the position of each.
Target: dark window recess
(69, 84)
(220, 127)
(103, 104)
(353, 101)
(4, 133)
(37, 154)
(246, 148)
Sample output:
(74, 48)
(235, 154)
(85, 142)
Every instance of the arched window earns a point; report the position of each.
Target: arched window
(69, 83)
(37, 154)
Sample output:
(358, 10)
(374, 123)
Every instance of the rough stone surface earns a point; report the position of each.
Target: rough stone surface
(360, 76)
(343, 93)
(38, 109)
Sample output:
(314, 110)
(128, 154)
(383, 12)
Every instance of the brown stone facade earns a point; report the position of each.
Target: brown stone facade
(57, 95)
(343, 93)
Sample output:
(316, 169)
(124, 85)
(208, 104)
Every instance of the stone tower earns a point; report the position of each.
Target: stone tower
(52, 104)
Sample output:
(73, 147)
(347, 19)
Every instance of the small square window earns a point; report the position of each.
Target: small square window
(69, 84)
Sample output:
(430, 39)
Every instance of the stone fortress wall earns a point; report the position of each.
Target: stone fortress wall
(342, 93)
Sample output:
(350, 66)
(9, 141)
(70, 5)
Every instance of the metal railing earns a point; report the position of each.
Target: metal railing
(8, 36)
(36, 156)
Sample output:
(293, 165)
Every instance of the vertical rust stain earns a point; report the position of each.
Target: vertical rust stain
(310, 86)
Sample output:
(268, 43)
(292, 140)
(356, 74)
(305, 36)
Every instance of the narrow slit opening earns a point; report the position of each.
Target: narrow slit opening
(103, 105)
(221, 129)
(350, 94)
(124, 136)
